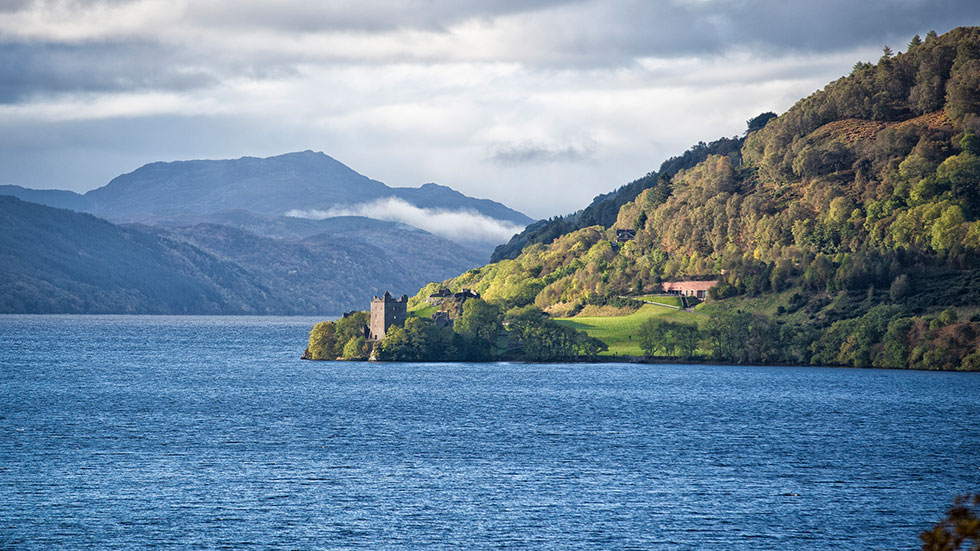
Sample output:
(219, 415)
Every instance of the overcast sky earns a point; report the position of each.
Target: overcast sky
(538, 104)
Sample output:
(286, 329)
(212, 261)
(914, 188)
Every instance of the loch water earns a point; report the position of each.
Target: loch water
(143, 432)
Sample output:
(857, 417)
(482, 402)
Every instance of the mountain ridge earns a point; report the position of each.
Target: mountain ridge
(61, 261)
(270, 185)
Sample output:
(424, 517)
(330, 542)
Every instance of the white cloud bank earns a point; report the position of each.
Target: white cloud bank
(456, 225)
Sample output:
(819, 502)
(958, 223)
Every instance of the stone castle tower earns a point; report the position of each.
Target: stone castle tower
(385, 312)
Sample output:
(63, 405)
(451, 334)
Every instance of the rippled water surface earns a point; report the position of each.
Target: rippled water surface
(209, 432)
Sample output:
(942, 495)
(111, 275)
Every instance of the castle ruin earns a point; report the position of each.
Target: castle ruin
(385, 312)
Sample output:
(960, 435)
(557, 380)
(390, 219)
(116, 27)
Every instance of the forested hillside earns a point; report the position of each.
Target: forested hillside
(332, 272)
(846, 228)
(60, 261)
(604, 209)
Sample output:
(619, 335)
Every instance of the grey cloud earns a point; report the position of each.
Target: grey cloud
(36, 69)
(577, 59)
(12, 6)
(306, 16)
(603, 28)
(32, 69)
(843, 24)
(535, 153)
(357, 15)
(534, 33)
(621, 31)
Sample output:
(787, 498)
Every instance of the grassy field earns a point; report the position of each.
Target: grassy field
(620, 333)
(425, 310)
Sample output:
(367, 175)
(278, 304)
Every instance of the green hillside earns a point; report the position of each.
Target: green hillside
(60, 261)
(77, 263)
(604, 208)
(847, 227)
(622, 333)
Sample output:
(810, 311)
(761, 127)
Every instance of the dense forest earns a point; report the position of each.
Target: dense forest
(605, 208)
(845, 231)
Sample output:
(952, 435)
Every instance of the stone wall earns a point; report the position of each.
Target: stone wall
(385, 312)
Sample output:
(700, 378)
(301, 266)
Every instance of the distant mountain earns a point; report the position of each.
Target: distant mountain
(212, 237)
(334, 271)
(434, 196)
(60, 261)
(356, 228)
(51, 197)
(284, 227)
(270, 186)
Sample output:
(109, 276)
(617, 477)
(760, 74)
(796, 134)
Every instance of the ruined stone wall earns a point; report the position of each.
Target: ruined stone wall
(385, 312)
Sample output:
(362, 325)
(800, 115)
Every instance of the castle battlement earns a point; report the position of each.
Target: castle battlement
(385, 312)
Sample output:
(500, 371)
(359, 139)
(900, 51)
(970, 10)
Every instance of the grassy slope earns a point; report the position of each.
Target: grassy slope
(424, 310)
(766, 305)
(621, 333)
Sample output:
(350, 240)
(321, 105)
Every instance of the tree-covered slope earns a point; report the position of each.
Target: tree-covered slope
(59, 261)
(51, 197)
(603, 209)
(334, 271)
(865, 195)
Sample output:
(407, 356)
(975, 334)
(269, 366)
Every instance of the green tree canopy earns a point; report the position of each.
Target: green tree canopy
(323, 341)
(543, 339)
(480, 320)
(959, 531)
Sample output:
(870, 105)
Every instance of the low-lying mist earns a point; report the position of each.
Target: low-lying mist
(456, 225)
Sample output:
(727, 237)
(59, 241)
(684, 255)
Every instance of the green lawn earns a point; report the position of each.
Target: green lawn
(425, 310)
(620, 333)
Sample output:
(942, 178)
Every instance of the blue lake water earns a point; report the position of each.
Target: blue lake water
(209, 432)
